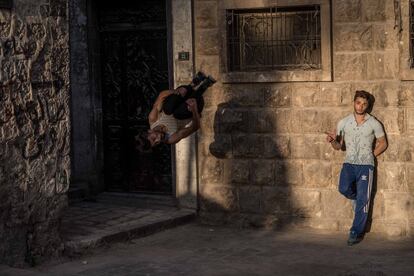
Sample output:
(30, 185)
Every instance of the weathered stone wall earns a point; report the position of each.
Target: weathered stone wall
(263, 156)
(34, 129)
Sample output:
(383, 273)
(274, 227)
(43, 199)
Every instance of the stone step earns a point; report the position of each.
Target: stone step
(88, 225)
(137, 200)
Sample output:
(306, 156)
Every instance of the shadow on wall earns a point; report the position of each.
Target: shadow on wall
(251, 175)
(374, 184)
(252, 156)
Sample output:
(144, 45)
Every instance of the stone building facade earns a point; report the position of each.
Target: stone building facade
(34, 128)
(260, 158)
(263, 156)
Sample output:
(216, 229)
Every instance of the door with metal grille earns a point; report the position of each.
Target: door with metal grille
(134, 69)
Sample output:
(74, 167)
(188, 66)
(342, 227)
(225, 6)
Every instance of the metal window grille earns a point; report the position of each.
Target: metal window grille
(412, 33)
(6, 4)
(276, 38)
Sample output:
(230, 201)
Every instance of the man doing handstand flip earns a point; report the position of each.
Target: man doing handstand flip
(176, 113)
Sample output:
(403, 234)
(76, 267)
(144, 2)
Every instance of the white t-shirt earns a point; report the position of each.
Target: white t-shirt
(359, 139)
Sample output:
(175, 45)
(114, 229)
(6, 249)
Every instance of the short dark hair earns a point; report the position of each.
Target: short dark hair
(142, 143)
(188, 88)
(365, 95)
(362, 94)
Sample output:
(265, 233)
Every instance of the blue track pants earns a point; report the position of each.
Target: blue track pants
(356, 183)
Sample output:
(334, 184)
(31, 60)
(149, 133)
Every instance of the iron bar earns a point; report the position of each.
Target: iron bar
(412, 33)
(282, 38)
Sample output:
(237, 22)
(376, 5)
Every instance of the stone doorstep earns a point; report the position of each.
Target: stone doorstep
(80, 245)
(137, 200)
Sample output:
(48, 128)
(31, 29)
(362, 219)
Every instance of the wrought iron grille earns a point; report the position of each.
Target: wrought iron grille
(412, 33)
(276, 38)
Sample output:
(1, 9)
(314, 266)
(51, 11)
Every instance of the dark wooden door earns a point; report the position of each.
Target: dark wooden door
(134, 60)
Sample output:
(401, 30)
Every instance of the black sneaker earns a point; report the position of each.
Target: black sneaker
(211, 80)
(199, 91)
(353, 238)
(198, 78)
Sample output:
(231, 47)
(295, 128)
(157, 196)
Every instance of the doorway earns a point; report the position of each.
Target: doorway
(134, 65)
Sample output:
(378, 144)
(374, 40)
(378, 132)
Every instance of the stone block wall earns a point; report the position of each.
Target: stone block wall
(263, 159)
(34, 129)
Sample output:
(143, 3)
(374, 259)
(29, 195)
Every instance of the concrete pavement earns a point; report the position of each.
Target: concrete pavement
(196, 249)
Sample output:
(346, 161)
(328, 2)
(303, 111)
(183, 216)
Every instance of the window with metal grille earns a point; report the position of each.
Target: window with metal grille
(276, 38)
(412, 33)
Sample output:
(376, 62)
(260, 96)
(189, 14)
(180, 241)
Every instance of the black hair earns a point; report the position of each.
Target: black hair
(142, 144)
(188, 88)
(365, 95)
(362, 94)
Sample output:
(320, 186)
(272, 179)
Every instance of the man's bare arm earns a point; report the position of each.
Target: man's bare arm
(181, 134)
(336, 141)
(153, 115)
(380, 146)
(156, 108)
(187, 131)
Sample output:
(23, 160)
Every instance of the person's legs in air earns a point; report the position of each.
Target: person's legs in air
(183, 92)
(202, 87)
(198, 78)
(182, 112)
(175, 104)
(173, 101)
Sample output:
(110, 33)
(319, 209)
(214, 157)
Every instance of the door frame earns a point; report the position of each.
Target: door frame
(186, 155)
(180, 34)
(96, 81)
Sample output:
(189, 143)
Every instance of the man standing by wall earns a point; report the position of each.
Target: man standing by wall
(355, 133)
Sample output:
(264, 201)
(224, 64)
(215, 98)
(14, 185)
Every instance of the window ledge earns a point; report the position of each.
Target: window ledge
(324, 74)
(276, 76)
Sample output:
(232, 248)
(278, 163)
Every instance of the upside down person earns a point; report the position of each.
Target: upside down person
(176, 113)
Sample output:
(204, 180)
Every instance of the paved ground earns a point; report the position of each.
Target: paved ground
(86, 225)
(202, 250)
